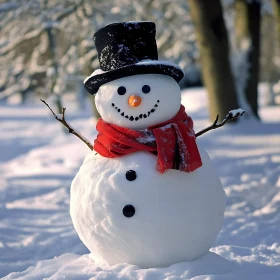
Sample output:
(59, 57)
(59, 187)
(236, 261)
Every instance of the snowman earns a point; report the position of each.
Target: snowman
(147, 195)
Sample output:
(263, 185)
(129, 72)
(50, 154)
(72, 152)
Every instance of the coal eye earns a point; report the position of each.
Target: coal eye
(146, 89)
(121, 90)
(130, 175)
(128, 211)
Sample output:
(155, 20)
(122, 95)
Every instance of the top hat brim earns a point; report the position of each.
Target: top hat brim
(99, 77)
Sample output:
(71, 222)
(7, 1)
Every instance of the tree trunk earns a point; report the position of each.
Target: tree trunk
(270, 95)
(213, 46)
(276, 11)
(268, 52)
(86, 70)
(247, 27)
(52, 83)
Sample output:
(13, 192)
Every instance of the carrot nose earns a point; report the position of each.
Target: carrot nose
(134, 100)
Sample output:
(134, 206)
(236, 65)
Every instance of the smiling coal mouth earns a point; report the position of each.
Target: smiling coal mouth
(142, 115)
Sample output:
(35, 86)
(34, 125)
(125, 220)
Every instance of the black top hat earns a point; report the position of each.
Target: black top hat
(126, 49)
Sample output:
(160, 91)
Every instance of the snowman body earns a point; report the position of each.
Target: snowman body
(123, 209)
(177, 215)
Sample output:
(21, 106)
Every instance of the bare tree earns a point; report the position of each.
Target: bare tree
(49, 24)
(276, 10)
(213, 46)
(267, 57)
(247, 29)
(31, 28)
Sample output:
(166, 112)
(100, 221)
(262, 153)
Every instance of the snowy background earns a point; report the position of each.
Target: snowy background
(46, 46)
(38, 162)
(46, 50)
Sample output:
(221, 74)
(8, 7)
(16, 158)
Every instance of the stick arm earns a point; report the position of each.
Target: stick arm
(233, 114)
(61, 119)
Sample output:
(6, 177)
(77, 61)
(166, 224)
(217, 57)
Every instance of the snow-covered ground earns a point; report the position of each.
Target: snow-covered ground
(38, 160)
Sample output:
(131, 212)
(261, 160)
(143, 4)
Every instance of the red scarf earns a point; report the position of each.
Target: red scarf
(172, 141)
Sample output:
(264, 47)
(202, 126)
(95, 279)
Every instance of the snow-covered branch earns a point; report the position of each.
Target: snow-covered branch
(233, 114)
(61, 119)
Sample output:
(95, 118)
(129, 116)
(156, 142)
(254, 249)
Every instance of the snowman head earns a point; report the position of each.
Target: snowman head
(134, 89)
(139, 101)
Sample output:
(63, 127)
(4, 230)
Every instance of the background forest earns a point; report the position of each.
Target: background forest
(47, 49)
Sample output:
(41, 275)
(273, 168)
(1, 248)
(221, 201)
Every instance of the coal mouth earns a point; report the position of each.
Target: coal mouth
(140, 116)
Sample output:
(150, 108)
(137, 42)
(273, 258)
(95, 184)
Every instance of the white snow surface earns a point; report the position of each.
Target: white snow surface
(38, 162)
